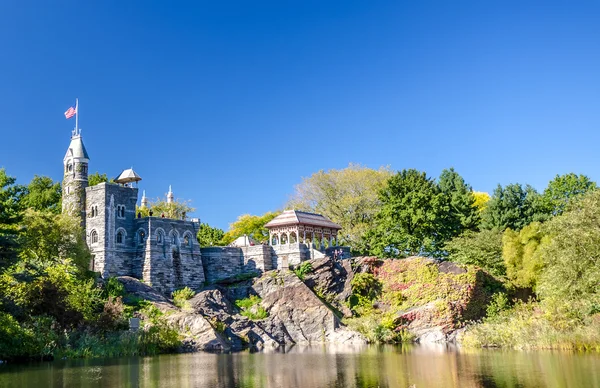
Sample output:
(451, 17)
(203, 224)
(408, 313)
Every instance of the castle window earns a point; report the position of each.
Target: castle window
(121, 211)
(141, 236)
(187, 241)
(94, 237)
(69, 167)
(159, 238)
(120, 237)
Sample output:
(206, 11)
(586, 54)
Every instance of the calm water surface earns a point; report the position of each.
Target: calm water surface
(371, 366)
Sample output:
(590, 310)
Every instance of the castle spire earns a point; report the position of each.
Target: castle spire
(144, 199)
(170, 196)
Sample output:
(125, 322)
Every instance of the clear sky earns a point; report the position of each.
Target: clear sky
(232, 103)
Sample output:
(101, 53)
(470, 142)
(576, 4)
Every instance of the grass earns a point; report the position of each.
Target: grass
(181, 297)
(533, 325)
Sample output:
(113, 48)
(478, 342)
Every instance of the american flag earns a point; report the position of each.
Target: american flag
(72, 111)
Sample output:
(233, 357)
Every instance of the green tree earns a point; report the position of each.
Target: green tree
(348, 197)
(10, 216)
(571, 272)
(209, 236)
(43, 194)
(563, 189)
(47, 239)
(409, 216)
(521, 255)
(483, 249)
(457, 212)
(96, 178)
(253, 226)
(513, 206)
(178, 209)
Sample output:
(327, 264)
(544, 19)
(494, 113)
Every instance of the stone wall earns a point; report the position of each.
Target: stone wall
(227, 262)
(168, 255)
(286, 255)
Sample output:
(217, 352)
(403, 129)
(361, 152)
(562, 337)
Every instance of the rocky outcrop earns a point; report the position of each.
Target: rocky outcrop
(331, 281)
(213, 321)
(296, 311)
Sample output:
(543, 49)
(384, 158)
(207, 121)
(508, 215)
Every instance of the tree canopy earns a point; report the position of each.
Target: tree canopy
(512, 206)
(249, 225)
(349, 197)
(178, 209)
(43, 194)
(563, 189)
(95, 178)
(209, 236)
(408, 216)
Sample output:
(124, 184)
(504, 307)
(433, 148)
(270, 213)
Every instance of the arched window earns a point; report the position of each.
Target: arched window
(284, 238)
(141, 236)
(293, 238)
(119, 237)
(275, 240)
(159, 237)
(94, 237)
(187, 240)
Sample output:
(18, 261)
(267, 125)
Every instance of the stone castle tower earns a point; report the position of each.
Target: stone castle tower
(75, 178)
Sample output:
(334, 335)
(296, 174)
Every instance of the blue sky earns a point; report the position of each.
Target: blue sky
(232, 103)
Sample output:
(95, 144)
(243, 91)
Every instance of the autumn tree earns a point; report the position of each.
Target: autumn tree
(481, 200)
(348, 197)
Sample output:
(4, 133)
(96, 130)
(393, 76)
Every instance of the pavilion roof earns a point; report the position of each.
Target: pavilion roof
(128, 176)
(296, 217)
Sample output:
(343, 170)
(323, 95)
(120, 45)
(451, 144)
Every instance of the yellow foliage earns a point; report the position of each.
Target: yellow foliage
(481, 200)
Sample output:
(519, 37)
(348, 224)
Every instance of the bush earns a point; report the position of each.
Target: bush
(250, 307)
(303, 269)
(113, 287)
(483, 249)
(365, 289)
(498, 303)
(181, 297)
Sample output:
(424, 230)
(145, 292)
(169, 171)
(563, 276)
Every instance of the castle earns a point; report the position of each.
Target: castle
(164, 252)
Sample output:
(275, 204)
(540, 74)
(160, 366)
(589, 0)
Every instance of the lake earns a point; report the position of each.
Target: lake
(320, 366)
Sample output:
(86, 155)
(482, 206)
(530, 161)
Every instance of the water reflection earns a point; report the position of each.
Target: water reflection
(326, 366)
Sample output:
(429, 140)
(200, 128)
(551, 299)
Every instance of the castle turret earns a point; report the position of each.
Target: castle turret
(75, 178)
(144, 199)
(170, 196)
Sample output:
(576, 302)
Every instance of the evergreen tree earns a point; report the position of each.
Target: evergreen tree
(513, 206)
(458, 212)
(10, 216)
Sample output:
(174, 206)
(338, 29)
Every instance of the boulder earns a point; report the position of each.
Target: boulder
(295, 311)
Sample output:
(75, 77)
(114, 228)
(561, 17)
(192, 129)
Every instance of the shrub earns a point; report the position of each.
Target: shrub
(303, 269)
(181, 297)
(251, 308)
(113, 287)
(498, 303)
(365, 288)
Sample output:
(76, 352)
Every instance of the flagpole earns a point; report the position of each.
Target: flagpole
(76, 116)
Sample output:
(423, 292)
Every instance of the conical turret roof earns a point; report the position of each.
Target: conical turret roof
(76, 148)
